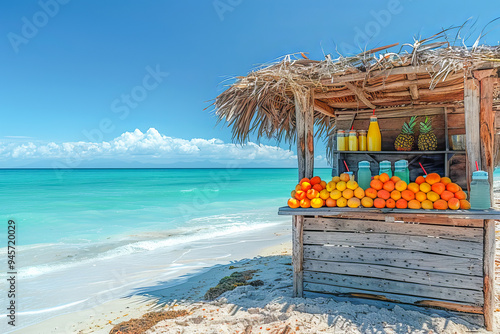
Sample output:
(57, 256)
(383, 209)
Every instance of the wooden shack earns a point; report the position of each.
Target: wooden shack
(441, 259)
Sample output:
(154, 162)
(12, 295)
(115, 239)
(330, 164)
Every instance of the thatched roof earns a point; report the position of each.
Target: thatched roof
(426, 72)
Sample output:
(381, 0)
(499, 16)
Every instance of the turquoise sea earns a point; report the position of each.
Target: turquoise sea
(85, 232)
(86, 236)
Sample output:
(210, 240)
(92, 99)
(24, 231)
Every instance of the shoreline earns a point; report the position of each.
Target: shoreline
(102, 317)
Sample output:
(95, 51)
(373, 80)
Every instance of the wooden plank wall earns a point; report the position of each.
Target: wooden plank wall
(431, 263)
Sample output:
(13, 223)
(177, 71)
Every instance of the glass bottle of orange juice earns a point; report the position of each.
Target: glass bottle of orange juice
(362, 140)
(374, 138)
(353, 140)
(341, 140)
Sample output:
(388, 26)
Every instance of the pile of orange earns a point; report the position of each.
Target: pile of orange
(431, 192)
(341, 191)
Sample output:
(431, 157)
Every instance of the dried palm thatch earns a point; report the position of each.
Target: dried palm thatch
(262, 103)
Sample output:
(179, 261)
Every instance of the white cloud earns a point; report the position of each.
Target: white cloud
(149, 147)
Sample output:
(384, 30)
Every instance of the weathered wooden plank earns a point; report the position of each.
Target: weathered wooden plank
(377, 285)
(396, 258)
(472, 138)
(396, 241)
(487, 130)
(489, 274)
(360, 94)
(301, 139)
(367, 226)
(396, 274)
(297, 255)
(391, 297)
(309, 132)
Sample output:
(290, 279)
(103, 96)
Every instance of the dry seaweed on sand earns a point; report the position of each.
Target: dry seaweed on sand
(229, 283)
(148, 320)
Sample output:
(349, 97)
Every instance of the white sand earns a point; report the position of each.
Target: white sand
(266, 309)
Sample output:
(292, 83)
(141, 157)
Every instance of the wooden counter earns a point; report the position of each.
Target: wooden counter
(442, 259)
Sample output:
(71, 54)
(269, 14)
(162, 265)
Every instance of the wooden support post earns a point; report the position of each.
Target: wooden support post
(489, 274)
(301, 139)
(472, 138)
(487, 130)
(309, 133)
(298, 255)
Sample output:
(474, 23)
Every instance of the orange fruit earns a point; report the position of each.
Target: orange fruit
(336, 194)
(345, 177)
(317, 187)
(441, 204)
(341, 185)
(324, 194)
(445, 180)
(330, 186)
(419, 180)
(447, 195)
(376, 177)
(370, 192)
(420, 196)
(461, 194)
(342, 202)
(317, 202)
(353, 202)
(432, 196)
(305, 180)
(323, 184)
(293, 203)
(464, 204)
(351, 184)
(395, 195)
(438, 188)
(390, 203)
(384, 177)
(299, 194)
(315, 180)
(359, 193)
(453, 187)
(414, 204)
(293, 194)
(330, 202)
(414, 187)
(298, 187)
(407, 195)
(428, 205)
(401, 185)
(389, 186)
(305, 203)
(305, 186)
(432, 178)
(384, 194)
(312, 193)
(425, 187)
(395, 179)
(336, 179)
(376, 184)
(454, 203)
(348, 193)
(367, 202)
(401, 203)
(379, 203)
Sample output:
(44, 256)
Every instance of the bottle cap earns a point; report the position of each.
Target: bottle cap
(385, 164)
(352, 132)
(364, 164)
(362, 132)
(480, 175)
(401, 164)
(340, 131)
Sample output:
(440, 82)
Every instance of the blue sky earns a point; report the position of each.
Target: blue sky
(81, 71)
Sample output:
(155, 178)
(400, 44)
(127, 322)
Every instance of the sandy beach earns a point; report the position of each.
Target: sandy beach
(269, 308)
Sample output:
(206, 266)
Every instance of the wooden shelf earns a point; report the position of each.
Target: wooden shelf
(401, 152)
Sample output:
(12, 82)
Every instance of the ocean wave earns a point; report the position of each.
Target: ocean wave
(171, 241)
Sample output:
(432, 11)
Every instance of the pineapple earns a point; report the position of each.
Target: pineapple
(405, 140)
(427, 140)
